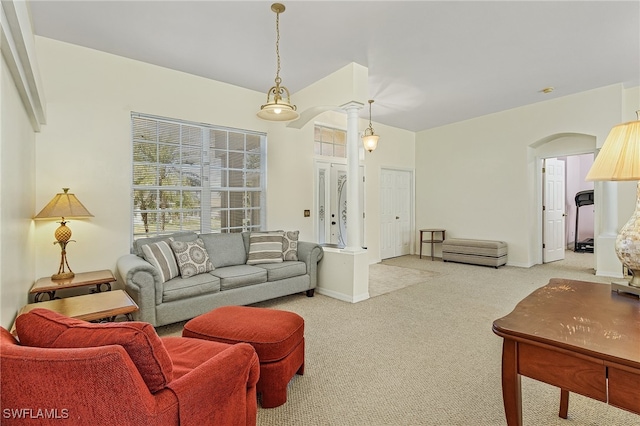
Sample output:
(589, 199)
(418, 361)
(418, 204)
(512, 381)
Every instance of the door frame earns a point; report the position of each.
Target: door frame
(551, 147)
(327, 164)
(412, 204)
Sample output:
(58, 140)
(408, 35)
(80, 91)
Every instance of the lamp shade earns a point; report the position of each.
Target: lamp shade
(63, 205)
(370, 142)
(280, 111)
(619, 158)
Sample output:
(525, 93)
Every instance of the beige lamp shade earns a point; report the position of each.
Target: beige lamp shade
(619, 158)
(63, 205)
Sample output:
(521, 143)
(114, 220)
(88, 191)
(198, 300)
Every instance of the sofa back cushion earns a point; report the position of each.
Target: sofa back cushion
(178, 236)
(225, 249)
(47, 329)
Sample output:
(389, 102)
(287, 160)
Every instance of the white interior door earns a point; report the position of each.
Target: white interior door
(554, 210)
(395, 213)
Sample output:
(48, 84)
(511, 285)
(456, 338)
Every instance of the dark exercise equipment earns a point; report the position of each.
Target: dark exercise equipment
(583, 198)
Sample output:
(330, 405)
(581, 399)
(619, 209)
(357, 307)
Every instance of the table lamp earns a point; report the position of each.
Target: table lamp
(63, 205)
(619, 159)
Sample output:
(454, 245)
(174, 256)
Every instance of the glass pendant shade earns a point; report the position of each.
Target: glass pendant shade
(370, 142)
(369, 138)
(277, 109)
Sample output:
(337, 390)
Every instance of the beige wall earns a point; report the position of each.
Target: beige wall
(474, 178)
(86, 146)
(478, 179)
(17, 188)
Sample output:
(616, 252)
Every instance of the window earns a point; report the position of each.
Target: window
(330, 142)
(196, 177)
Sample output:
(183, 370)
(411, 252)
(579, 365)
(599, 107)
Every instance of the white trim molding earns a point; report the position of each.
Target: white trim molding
(18, 49)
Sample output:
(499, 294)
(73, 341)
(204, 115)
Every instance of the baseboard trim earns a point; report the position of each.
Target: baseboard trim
(342, 296)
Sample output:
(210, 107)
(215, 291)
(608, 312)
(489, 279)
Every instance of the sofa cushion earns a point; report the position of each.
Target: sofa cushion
(290, 245)
(265, 247)
(239, 276)
(225, 249)
(161, 256)
(177, 236)
(47, 329)
(182, 288)
(280, 271)
(192, 257)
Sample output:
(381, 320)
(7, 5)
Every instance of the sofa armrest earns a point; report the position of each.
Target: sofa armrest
(226, 382)
(311, 254)
(143, 283)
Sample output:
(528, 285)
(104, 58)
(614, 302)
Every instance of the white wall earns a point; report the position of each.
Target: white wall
(17, 188)
(477, 178)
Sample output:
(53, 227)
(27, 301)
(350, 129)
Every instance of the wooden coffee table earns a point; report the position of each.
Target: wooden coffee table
(578, 336)
(48, 286)
(89, 307)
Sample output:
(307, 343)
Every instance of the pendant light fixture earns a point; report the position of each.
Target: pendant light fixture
(278, 109)
(369, 138)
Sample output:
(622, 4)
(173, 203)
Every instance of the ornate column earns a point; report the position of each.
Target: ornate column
(354, 209)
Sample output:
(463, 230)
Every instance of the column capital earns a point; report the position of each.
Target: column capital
(352, 105)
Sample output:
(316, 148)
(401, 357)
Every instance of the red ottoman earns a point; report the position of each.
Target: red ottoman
(277, 337)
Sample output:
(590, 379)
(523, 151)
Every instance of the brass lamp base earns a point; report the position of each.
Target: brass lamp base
(625, 287)
(63, 276)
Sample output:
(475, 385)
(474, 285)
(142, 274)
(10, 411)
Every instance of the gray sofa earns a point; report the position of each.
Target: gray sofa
(232, 282)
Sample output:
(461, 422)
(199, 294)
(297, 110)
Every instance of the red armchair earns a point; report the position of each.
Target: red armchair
(65, 371)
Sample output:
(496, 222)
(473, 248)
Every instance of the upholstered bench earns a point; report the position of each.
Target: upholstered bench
(476, 252)
(277, 337)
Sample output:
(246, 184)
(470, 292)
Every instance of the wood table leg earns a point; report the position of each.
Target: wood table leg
(511, 390)
(564, 403)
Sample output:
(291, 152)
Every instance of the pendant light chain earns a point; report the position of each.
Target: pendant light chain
(278, 79)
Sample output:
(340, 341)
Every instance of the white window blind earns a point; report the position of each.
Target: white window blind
(195, 177)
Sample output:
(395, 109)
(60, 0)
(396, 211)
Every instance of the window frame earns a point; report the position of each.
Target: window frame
(221, 150)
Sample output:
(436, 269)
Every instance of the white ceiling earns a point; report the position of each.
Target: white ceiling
(430, 62)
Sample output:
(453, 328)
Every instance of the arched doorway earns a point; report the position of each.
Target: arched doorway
(554, 146)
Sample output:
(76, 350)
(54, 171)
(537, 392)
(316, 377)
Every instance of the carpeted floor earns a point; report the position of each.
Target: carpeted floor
(423, 353)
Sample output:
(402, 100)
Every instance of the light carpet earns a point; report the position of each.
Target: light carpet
(423, 354)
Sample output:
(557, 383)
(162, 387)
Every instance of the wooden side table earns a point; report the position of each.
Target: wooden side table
(48, 286)
(432, 240)
(88, 307)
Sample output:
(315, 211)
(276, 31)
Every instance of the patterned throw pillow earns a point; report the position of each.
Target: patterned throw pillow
(265, 247)
(290, 245)
(160, 255)
(192, 257)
